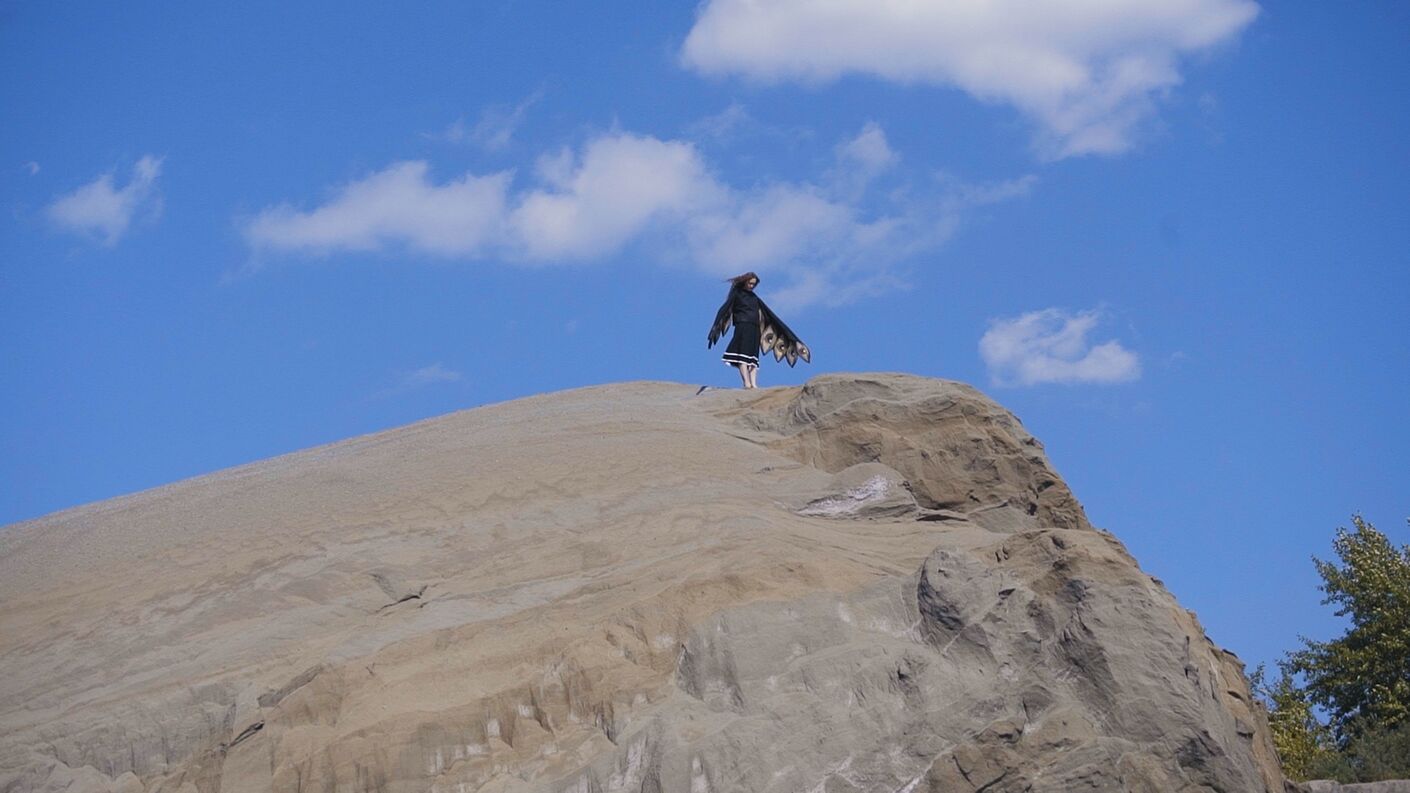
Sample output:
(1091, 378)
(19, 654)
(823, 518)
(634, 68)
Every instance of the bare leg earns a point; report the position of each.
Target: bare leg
(753, 377)
(743, 373)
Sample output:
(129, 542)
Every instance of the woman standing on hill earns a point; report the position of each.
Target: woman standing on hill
(756, 329)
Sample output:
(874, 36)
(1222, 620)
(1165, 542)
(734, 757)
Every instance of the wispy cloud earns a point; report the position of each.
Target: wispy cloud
(1086, 73)
(735, 122)
(722, 124)
(428, 375)
(1051, 346)
(869, 149)
(101, 210)
(31, 167)
(421, 378)
(829, 240)
(495, 128)
(861, 159)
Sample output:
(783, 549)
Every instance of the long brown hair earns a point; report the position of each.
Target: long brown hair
(739, 281)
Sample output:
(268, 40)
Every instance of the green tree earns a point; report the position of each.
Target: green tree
(1305, 745)
(1378, 753)
(1362, 680)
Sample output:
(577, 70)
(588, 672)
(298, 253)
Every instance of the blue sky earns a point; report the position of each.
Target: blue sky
(1171, 236)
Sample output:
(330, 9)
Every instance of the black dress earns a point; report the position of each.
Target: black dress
(744, 347)
(756, 328)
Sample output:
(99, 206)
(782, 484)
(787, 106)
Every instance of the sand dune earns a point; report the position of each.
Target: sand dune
(871, 583)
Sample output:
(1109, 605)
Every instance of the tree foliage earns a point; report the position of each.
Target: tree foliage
(1362, 678)
(1361, 681)
(1305, 745)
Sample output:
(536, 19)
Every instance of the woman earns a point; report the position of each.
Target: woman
(756, 328)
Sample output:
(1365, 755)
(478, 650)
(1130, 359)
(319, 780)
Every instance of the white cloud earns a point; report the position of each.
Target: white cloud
(860, 160)
(1087, 72)
(588, 206)
(397, 205)
(735, 122)
(457, 132)
(869, 149)
(967, 194)
(820, 242)
(775, 225)
(622, 183)
(817, 248)
(722, 124)
(421, 378)
(31, 167)
(428, 375)
(830, 245)
(496, 127)
(1051, 346)
(831, 241)
(100, 209)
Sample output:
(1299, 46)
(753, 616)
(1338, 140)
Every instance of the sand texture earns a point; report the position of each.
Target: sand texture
(870, 583)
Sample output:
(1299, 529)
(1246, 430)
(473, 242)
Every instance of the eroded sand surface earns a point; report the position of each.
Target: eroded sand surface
(625, 587)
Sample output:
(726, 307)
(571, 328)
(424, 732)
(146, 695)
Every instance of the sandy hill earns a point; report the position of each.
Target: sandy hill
(870, 583)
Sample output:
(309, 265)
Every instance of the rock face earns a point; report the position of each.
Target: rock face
(959, 450)
(872, 583)
(1327, 786)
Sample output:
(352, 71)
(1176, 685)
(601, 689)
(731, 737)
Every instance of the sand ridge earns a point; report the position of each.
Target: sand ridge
(521, 596)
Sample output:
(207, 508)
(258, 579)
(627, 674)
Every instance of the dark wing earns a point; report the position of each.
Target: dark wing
(776, 337)
(722, 321)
